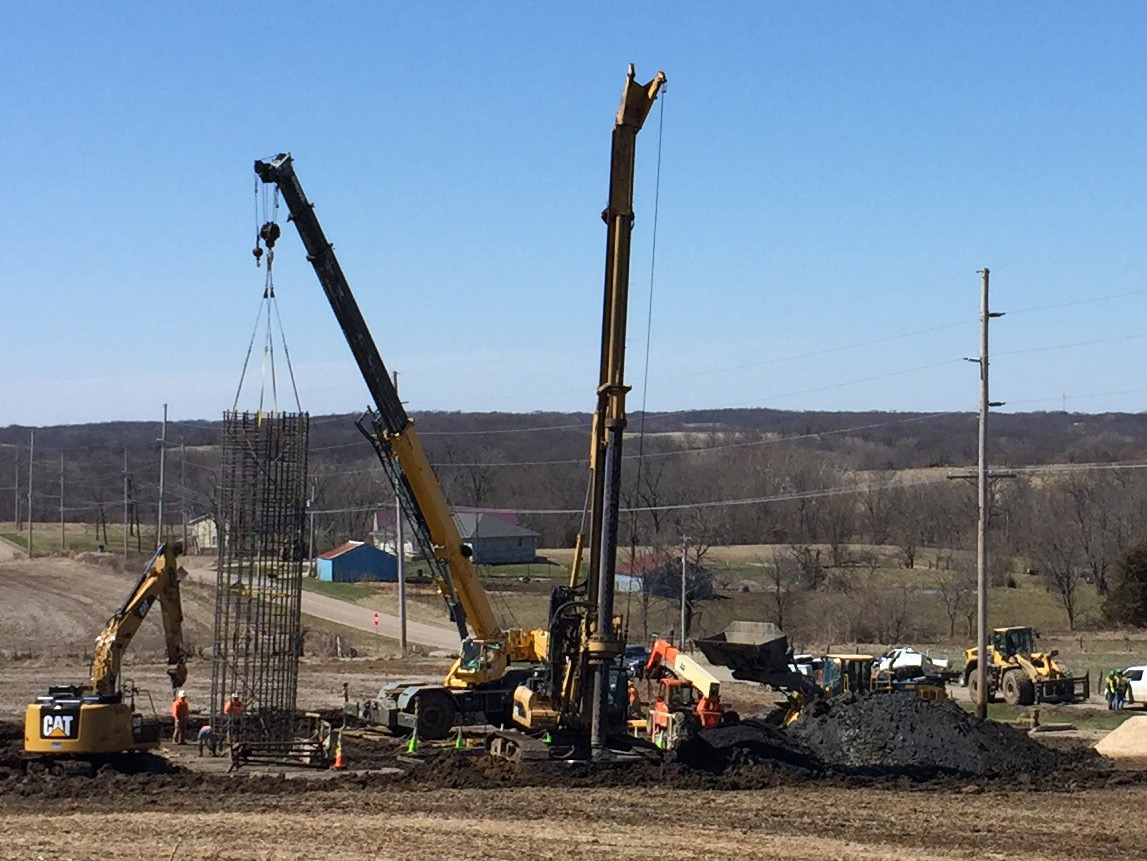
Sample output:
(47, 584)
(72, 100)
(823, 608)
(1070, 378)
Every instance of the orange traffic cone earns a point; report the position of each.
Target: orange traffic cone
(340, 763)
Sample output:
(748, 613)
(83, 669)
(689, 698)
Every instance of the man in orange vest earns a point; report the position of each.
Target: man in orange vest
(180, 712)
(232, 712)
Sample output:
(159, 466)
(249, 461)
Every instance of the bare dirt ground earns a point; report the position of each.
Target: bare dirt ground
(335, 820)
(51, 610)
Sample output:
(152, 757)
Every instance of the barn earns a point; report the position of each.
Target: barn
(357, 562)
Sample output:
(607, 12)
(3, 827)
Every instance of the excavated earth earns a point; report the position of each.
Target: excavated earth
(774, 796)
(901, 734)
(896, 740)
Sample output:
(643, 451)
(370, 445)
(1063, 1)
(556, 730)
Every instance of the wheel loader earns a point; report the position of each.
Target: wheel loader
(1022, 675)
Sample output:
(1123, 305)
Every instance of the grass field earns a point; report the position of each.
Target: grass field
(77, 538)
(520, 596)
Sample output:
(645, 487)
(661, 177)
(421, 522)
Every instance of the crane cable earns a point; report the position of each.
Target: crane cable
(267, 232)
(648, 339)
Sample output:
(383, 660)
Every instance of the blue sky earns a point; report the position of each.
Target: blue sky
(832, 177)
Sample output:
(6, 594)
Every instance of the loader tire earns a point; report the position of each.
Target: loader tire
(973, 687)
(1011, 686)
(1027, 692)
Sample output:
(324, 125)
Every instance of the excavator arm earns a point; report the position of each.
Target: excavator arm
(159, 582)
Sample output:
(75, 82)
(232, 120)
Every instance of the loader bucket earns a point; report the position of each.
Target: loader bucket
(749, 649)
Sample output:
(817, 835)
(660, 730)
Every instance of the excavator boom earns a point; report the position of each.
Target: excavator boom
(159, 582)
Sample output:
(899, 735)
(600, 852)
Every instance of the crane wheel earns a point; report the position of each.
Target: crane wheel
(435, 711)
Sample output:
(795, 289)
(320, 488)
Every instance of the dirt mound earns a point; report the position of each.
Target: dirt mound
(901, 734)
(1126, 741)
(750, 742)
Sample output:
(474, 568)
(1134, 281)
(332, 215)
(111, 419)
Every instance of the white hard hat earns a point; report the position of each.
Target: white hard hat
(180, 693)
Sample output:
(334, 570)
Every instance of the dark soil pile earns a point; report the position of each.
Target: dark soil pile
(750, 742)
(901, 734)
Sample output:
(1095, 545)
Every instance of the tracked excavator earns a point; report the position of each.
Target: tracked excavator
(100, 718)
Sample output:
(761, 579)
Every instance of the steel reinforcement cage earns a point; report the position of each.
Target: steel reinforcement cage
(262, 551)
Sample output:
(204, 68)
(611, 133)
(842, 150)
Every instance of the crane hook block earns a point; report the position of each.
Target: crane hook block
(270, 233)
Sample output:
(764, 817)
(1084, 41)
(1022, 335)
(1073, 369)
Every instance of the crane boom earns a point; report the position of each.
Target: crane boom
(487, 655)
(423, 502)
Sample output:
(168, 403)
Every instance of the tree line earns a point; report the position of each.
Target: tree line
(722, 477)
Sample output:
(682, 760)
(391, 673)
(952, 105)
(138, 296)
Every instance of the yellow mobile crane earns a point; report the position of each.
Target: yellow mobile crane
(479, 687)
(95, 719)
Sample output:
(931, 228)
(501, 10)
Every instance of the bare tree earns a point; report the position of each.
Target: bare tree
(1058, 557)
(838, 519)
(956, 585)
(879, 507)
(785, 582)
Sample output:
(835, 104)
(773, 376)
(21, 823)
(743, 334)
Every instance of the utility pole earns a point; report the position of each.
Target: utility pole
(183, 488)
(162, 459)
(982, 509)
(125, 510)
(684, 585)
(400, 560)
(31, 458)
(16, 485)
(63, 536)
(311, 546)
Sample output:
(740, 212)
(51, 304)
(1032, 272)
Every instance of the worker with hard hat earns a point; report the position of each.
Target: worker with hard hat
(232, 712)
(180, 712)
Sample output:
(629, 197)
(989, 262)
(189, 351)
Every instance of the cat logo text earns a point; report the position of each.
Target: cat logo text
(57, 726)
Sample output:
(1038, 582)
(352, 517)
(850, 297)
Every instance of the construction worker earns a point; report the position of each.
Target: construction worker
(1122, 684)
(207, 738)
(180, 712)
(1110, 686)
(634, 701)
(232, 712)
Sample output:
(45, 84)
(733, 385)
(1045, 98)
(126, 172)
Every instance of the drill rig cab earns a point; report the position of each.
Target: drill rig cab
(100, 718)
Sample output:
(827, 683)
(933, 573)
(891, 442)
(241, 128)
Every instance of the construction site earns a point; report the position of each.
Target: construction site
(772, 653)
(556, 741)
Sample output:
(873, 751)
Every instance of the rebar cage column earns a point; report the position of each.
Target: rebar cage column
(262, 550)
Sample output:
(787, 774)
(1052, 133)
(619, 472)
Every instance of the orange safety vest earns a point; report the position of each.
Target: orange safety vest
(234, 708)
(180, 708)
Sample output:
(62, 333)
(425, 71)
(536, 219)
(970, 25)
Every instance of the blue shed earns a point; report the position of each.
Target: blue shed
(357, 562)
